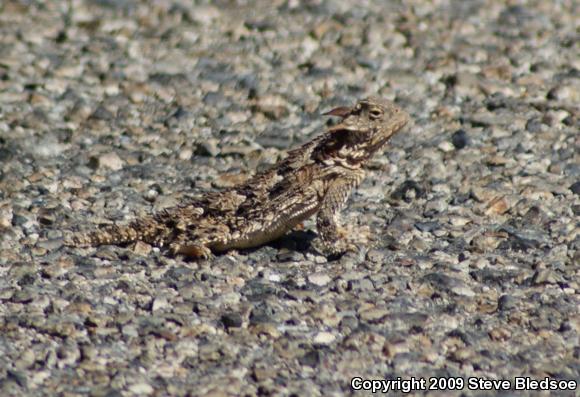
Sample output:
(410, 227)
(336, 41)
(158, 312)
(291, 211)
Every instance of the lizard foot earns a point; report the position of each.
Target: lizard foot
(336, 249)
(194, 251)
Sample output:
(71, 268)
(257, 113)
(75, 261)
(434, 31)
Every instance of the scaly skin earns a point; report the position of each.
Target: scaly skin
(314, 179)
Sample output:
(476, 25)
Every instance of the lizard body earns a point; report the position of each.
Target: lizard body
(314, 179)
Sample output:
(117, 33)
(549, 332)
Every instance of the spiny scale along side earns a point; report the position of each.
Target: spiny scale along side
(314, 179)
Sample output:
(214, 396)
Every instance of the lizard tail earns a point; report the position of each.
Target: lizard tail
(111, 234)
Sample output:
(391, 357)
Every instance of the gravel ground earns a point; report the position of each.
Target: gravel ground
(110, 110)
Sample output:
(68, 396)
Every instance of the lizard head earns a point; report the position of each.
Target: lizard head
(367, 126)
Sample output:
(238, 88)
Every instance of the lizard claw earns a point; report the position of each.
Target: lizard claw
(337, 249)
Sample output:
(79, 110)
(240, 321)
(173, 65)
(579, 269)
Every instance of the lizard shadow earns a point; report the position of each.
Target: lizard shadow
(296, 240)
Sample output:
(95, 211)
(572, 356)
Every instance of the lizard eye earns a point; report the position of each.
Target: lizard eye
(375, 113)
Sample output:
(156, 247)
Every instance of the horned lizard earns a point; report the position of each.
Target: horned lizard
(313, 179)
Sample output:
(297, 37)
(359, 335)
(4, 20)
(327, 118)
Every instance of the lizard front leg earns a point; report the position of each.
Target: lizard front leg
(332, 236)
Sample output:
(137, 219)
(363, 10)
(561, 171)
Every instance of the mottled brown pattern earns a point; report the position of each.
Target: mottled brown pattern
(314, 179)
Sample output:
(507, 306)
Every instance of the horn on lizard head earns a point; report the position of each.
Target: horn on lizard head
(341, 111)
